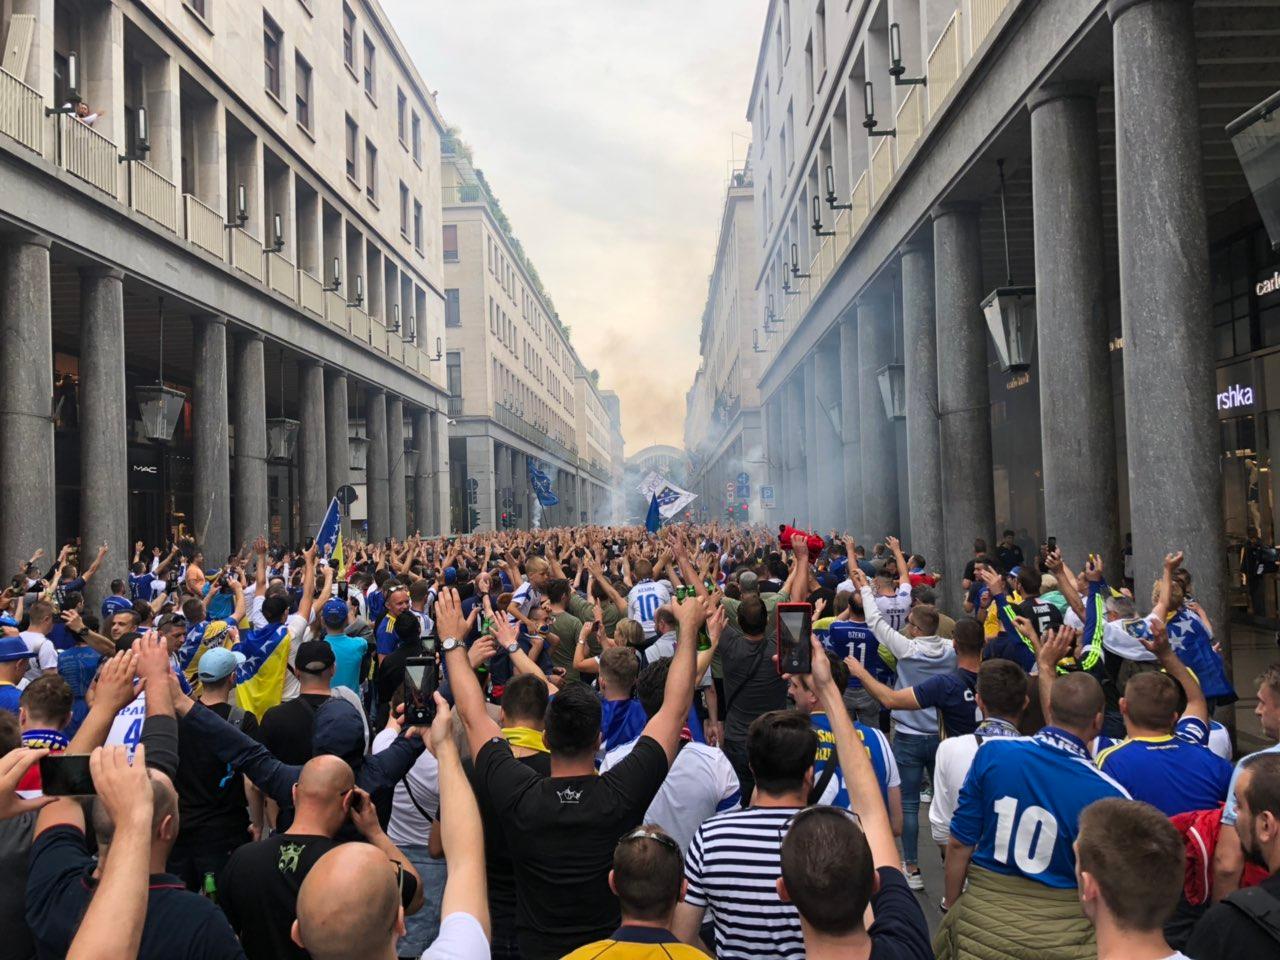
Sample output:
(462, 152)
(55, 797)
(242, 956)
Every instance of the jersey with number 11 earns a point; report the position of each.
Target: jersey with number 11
(1020, 805)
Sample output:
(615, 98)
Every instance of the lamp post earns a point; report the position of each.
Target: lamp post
(869, 112)
(282, 432)
(73, 88)
(831, 191)
(896, 68)
(1010, 310)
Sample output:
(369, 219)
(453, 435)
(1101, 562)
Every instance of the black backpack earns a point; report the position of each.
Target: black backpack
(1259, 906)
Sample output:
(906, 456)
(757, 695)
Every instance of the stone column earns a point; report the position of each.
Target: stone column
(104, 433)
(337, 433)
(396, 473)
(313, 484)
(1169, 376)
(212, 513)
(27, 501)
(879, 451)
(424, 498)
(924, 458)
(377, 488)
(851, 427)
(1077, 423)
(444, 511)
(964, 404)
(252, 512)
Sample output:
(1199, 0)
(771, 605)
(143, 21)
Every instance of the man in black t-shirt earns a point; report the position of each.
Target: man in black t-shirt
(1042, 614)
(562, 830)
(1008, 553)
(214, 802)
(259, 887)
(287, 728)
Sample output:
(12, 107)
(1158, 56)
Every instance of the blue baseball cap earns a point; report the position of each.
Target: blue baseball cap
(451, 575)
(13, 648)
(334, 613)
(7, 621)
(218, 663)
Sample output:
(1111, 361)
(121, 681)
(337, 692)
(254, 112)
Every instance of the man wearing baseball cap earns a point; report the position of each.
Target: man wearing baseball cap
(216, 813)
(349, 652)
(13, 665)
(287, 728)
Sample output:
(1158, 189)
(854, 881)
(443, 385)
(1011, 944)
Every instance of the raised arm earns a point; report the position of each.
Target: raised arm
(904, 574)
(1158, 644)
(308, 583)
(467, 695)
(97, 562)
(1171, 563)
(461, 829)
(897, 644)
(885, 696)
(1066, 581)
(665, 725)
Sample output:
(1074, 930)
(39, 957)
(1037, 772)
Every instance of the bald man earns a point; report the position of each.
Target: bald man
(179, 924)
(259, 887)
(348, 905)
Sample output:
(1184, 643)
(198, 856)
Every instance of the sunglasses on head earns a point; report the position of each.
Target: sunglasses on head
(644, 833)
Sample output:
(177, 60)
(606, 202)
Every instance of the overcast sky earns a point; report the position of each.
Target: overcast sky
(607, 129)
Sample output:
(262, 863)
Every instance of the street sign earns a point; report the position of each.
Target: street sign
(729, 488)
(743, 480)
(346, 495)
(766, 496)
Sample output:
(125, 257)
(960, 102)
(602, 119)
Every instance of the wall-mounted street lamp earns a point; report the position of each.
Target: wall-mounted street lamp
(795, 263)
(141, 146)
(277, 227)
(73, 88)
(439, 351)
(359, 300)
(769, 315)
(755, 342)
(395, 319)
(869, 112)
(896, 68)
(787, 288)
(411, 330)
(817, 219)
(242, 210)
(831, 191)
(337, 277)
(1011, 310)
(282, 433)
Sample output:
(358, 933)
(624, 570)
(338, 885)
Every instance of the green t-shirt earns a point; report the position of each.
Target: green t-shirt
(567, 629)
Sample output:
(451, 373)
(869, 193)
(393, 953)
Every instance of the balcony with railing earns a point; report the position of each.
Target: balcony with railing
(512, 421)
(21, 112)
(336, 310)
(87, 154)
(282, 276)
(909, 120)
(310, 294)
(204, 227)
(454, 407)
(378, 336)
(246, 254)
(983, 15)
(946, 60)
(153, 195)
(358, 323)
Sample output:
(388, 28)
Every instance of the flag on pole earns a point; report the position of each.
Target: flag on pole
(671, 498)
(541, 484)
(329, 537)
(653, 520)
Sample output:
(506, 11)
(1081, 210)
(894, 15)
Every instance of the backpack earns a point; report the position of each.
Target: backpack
(1200, 829)
(1260, 907)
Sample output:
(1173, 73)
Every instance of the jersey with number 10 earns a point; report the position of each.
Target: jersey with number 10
(1020, 805)
(644, 600)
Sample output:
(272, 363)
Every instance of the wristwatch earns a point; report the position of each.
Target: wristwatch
(512, 647)
(450, 643)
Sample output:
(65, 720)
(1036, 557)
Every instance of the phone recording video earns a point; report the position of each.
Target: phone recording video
(794, 626)
(421, 677)
(66, 775)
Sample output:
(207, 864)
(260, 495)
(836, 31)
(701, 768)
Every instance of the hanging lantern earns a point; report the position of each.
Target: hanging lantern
(893, 390)
(160, 408)
(359, 446)
(410, 458)
(1011, 320)
(282, 439)
(1010, 310)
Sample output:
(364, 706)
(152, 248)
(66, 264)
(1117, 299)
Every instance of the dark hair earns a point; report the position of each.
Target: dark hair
(923, 593)
(753, 617)
(419, 590)
(274, 608)
(828, 870)
(664, 620)
(193, 610)
(781, 746)
(1002, 685)
(525, 698)
(48, 700)
(651, 685)
(1151, 700)
(839, 672)
(1262, 792)
(968, 636)
(1029, 581)
(573, 720)
(557, 590)
(1137, 857)
(1075, 700)
(407, 627)
(72, 599)
(648, 874)
(10, 731)
(117, 586)
(979, 545)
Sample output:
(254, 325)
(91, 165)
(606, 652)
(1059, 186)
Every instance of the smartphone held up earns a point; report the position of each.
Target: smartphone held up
(421, 678)
(794, 630)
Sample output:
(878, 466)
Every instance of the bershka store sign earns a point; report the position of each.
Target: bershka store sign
(1235, 397)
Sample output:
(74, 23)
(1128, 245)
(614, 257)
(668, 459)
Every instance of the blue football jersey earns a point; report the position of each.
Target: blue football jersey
(877, 750)
(853, 638)
(1020, 805)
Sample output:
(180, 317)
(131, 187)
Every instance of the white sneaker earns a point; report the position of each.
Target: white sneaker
(915, 879)
(926, 795)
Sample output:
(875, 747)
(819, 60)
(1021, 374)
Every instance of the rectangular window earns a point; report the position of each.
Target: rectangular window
(353, 141)
(778, 51)
(453, 374)
(450, 243)
(371, 171)
(272, 40)
(404, 209)
(820, 39)
(452, 308)
(810, 81)
(789, 142)
(416, 130)
(370, 68)
(402, 117)
(197, 6)
(348, 37)
(302, 91)
(417, 226)
(786, 24)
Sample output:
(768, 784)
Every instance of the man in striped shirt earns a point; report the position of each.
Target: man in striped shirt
(734, 861)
